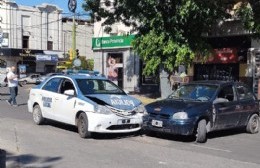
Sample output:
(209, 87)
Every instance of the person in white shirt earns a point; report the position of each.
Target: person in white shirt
(12, 79)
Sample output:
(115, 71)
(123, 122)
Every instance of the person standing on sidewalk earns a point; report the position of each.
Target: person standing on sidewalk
(13, 86)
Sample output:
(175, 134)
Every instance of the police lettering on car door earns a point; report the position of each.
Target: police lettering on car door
(47, 101)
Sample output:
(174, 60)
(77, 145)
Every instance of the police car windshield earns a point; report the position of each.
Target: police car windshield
(98, 86)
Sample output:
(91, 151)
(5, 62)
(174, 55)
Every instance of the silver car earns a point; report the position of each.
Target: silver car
(44, 77)
(32, 78)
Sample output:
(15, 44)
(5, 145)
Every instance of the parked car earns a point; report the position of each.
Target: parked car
(32, 78)
(204, 106)
(44, 77)
(91, 103)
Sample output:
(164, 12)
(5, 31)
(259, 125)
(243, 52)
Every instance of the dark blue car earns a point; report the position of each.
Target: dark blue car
(204, 106)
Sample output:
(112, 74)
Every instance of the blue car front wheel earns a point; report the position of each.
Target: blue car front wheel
(201, 132)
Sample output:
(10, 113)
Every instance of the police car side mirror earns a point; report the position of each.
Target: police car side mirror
(69, 92)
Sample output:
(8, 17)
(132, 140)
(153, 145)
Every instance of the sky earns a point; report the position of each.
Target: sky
(63, 4)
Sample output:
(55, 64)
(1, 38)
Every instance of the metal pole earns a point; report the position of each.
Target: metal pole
(72, 5)
(74, 37)
(103, 60)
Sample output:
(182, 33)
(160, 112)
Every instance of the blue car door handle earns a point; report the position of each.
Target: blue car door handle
(238, 107)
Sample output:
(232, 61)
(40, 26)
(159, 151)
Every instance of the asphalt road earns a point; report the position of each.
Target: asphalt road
(56, 145)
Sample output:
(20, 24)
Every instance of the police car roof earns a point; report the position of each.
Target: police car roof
(85, 76)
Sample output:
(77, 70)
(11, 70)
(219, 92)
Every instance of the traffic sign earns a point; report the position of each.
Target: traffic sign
(72, 5)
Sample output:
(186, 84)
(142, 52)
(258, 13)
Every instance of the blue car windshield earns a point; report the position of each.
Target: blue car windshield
(98, 86)
(197, 92)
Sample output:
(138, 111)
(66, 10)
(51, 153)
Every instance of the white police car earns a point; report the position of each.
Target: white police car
(92, 103)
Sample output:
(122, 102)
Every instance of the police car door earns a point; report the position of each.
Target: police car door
(65, 104)
(48, 92)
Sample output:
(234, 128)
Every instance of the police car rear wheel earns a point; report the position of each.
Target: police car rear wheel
(83, 126)
(253, 124)
(37, 115)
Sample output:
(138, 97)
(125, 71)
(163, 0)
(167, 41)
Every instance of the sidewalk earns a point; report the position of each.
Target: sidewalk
(144, 99)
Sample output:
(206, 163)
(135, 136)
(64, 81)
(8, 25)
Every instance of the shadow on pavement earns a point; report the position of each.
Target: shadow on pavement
(97, 136)
(29, 160)
(224, 133)
(211, 135)
(4, 94)
(171, 137)
(113, 136)
(22, 104)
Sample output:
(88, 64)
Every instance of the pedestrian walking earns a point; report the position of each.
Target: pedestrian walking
(12, 79)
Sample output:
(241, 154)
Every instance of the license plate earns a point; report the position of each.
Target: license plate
(157, 123)
(124, 121)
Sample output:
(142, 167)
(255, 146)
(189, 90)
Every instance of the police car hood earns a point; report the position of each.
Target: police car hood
(124, 102)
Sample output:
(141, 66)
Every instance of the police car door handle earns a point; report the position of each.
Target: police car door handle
(56, 98)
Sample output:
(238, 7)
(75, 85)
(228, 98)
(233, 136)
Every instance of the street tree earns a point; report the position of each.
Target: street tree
(169, 32)
(249, 13)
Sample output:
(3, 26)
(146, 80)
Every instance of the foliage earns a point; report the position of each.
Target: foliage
(249, 13)
(169, 32)
(87, 63)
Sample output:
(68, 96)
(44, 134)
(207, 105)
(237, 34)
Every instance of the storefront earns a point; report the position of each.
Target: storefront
(46, 63)
(228, 61)
(114, 58)
(32, 61)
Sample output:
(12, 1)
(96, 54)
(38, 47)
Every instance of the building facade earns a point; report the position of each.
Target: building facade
(114, 56)
(35, 36)
(84, 33)
(28, 32)
(235, 55)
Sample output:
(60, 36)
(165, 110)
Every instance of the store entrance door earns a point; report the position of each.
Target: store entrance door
(115, 71)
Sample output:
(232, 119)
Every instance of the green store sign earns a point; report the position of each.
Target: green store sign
(112, 42)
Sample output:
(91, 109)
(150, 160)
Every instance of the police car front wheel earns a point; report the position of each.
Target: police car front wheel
(83, 126)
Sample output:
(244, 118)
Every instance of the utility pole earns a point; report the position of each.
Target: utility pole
(1, 36)
(72, 5)
(74, 37)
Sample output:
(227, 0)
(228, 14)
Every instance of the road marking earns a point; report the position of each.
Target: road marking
(210, 148)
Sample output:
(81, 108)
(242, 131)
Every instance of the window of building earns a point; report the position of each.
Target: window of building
(25, 41)
(49, 45)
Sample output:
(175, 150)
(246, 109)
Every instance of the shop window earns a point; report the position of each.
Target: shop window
(49, 45)
(115, 68)
(25, 41)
